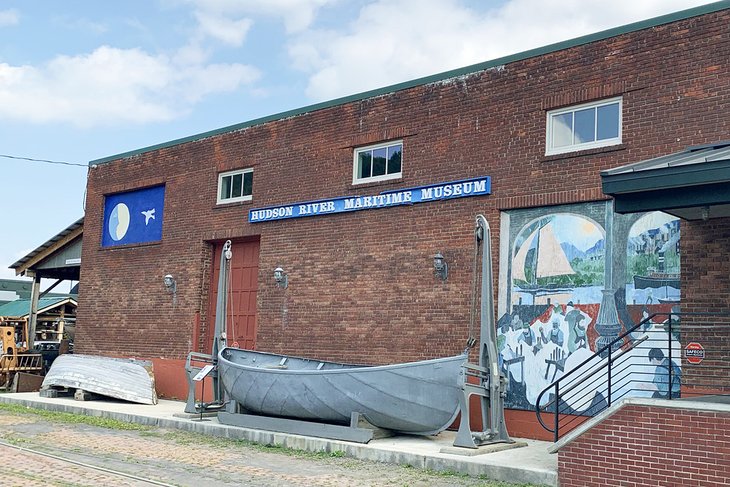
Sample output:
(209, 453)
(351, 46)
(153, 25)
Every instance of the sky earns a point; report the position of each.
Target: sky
(82, 79)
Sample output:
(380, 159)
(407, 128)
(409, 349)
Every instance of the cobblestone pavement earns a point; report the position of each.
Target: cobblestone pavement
(168, 457)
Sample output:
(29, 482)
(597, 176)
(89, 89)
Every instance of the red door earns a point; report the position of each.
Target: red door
(241, 315)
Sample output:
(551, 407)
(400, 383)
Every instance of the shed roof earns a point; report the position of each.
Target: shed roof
(20, 308)
(54, 244)
(578, 41)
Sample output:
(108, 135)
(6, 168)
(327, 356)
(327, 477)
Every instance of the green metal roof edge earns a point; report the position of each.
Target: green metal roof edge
(578, 41)
(666, 178)
(23, 305)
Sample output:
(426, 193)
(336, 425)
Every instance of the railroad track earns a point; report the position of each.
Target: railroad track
(29, 467)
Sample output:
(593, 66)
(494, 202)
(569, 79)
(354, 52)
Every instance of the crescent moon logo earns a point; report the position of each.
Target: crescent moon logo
(119, 222)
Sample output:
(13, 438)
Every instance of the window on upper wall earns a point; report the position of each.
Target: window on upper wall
(235, 186)
(377, 162)
(584, 126)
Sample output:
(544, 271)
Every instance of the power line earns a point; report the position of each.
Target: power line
(44, 160)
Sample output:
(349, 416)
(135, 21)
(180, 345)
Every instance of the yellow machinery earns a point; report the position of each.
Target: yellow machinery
(15, 358)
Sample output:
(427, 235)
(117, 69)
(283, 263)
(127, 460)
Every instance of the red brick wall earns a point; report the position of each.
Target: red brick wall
(706, 289)
(650, 446)
(361, 286)
(706, 266)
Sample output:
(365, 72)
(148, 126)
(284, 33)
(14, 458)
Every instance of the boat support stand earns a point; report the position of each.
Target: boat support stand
(193, 365)
(490, 383)
(359, 431)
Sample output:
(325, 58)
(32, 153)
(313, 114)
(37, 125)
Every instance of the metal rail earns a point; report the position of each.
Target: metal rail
(86, 465)
(666, 355)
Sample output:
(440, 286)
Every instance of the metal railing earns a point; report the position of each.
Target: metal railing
(667, 355)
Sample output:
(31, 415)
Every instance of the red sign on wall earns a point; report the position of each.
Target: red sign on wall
(694, 353)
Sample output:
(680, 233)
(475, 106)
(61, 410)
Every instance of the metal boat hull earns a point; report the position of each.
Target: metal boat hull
(126, 379)
(413, 398)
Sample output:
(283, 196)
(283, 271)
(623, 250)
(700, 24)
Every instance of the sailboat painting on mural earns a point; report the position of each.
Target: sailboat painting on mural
(558, 255)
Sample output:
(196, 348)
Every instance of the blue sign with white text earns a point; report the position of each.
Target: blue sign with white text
(133, 217)
(410, 196)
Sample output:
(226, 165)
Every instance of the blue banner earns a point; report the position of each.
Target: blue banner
(133, 217)
(410, 196)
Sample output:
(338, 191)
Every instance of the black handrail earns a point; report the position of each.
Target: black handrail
(621, 338)
(608, 357)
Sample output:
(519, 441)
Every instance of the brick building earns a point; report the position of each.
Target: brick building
(352, 199)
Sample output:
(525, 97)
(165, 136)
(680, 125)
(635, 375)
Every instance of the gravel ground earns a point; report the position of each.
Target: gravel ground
(92, 452)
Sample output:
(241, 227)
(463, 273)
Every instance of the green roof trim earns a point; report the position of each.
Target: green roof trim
(676, 183)
(578, 41)
(21, 307)
(694, 166)
(671, 200)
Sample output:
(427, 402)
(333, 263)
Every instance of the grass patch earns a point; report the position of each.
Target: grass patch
(484, 480)
(71, 418)
(191, 438)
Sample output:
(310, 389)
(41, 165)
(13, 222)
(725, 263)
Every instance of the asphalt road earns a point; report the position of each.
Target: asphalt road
(54, 449)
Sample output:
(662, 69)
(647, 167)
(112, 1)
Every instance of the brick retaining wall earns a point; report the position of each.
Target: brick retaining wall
(650, 446)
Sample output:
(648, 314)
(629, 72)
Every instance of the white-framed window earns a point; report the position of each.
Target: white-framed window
(378, 162)
(585, 126)
(235, 186)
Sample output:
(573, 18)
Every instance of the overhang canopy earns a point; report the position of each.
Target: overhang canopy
(692, 184)
(58, 258)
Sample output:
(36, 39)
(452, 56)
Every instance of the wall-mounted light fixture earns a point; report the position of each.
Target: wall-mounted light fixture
(440, 267)
(170, 283)
(281, 278)
(171, 286)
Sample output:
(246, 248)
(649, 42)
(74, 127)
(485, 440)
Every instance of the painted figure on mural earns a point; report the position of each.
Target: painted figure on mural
(660, 382)
(516, 324)
(641, 331)
(528, 338)
(556, 334)
(577, 332)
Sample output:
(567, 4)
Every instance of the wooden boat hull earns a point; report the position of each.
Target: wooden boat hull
(126, 379)
(413, 398)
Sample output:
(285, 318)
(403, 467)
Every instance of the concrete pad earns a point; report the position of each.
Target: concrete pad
(483, 449)
(529, 464)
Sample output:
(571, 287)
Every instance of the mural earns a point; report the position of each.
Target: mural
(653, 260)
(576, 277)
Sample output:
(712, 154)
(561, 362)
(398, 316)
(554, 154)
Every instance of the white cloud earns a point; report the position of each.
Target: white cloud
(8, 260)
(85, 25)
(218, 26)
(9, 17)
(6, 273)
(110, 85)
(296, 14)
(398, 40)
